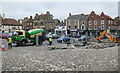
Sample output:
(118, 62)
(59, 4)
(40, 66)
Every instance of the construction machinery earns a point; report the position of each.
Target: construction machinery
(112, 39)
(23, 37)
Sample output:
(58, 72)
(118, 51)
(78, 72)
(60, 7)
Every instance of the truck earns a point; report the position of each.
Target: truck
(23, 37)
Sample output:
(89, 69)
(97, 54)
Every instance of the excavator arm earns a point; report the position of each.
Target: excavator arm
(108, 36)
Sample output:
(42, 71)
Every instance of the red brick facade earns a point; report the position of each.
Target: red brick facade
(26, 26)
(99, 22)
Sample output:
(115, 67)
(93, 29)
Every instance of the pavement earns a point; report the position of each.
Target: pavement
(39, 58)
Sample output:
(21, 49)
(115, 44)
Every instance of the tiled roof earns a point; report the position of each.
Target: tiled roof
(79, 16)
(9, 21)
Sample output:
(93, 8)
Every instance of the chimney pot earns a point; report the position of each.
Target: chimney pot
(30, 17)
(20, 21)
(3, 16)
(69, 14)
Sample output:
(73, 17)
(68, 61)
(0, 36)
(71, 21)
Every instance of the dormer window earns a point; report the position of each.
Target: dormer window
(92, 16)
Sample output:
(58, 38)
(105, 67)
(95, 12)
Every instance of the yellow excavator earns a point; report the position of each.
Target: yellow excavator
(108, 36)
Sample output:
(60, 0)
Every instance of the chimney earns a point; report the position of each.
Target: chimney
(36, 14)
(30, 17)
(20, 21)
(69, 14)
(3, 16)
(82, 14)
(26, 17)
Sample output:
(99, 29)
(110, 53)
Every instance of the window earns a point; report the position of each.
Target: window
(109, 21)
(89, 22)
(3, 26)
(90, 28)
(102, 21)
(83, 22)
(102, 27)
(20, 33)
(95, 27)
(82, 27)
(75, 26)
(63, 27)
(99, 27)
(75, 22)
(95, 22)
(69, 27)
(119, 27)
(31, 24)
(69, 22)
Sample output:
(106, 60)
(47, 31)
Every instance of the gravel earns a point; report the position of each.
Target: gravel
(39, 58)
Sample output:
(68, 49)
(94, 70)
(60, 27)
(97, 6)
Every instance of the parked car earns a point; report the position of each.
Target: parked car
(84, 37)
(4, 35)
(64, 39)
(77, 36)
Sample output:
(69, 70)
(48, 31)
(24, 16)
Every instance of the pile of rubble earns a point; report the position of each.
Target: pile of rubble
(99, 45)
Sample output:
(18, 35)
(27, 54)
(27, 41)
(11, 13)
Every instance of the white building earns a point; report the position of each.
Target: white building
(9, 25)
(60, 29)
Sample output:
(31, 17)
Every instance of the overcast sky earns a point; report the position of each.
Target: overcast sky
(59, 10)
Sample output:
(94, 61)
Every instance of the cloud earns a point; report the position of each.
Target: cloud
(59, 10)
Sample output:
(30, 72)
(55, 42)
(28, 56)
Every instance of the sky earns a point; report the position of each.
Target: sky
(60, 10)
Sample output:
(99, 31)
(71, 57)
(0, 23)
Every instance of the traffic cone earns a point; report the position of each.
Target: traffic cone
(62, 42)
(3, 47)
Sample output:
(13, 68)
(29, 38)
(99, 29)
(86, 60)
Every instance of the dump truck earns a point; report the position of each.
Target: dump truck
(23, 37)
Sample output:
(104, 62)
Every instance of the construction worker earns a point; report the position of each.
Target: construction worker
(9, 42)
(50, 41)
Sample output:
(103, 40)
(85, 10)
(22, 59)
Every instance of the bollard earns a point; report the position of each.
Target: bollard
(37, 38)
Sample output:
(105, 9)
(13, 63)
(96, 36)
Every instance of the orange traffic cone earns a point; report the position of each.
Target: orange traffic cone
(3, 47)
(62, 42)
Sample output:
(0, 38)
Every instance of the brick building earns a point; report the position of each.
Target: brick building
(117, 23)
(27, 23)
(89, 23)
(98, 22)
(50, 24)
(45, 21)
(40, 20)
(76, 24)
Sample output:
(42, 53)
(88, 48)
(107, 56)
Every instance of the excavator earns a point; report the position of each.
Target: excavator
(114, 39)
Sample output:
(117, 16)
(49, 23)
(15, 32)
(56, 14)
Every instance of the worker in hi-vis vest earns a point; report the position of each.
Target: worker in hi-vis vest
(9, 42)
(50, 41)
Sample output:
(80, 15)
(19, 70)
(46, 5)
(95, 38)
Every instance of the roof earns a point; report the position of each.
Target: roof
(50, 21)
(8, 21)
(28, 20)
(79, 16)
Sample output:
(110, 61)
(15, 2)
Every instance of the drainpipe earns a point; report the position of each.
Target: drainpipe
(66, 27)
(78, 26)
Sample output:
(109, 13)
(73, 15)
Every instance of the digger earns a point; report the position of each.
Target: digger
(114, 39)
